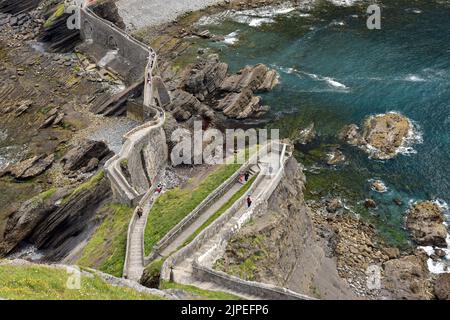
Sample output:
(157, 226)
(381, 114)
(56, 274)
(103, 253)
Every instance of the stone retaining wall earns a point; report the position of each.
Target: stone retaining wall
(250, 288)
(145, 154)
(101, 37)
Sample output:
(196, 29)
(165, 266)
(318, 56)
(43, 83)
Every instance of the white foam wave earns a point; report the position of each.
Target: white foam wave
(343, 3)
(231, 38)
(253, 17)
(257, 22)
(413, 10)
(442, 265)
(330, 81)
(337, 23)
(414, 78)
(335, 83)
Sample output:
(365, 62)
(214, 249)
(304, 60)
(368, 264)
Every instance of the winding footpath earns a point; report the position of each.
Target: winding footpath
(198, 256)
(134, 266)
(183, 272)
(185, 234)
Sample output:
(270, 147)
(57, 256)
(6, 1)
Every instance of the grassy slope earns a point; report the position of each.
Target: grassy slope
(172, 206)
(222, 209)
(106, 249)
(40, 282)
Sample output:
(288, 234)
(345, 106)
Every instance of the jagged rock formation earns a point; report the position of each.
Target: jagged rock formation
(184, 105)
(425, 222)
(86, 153)
(207, 86)
(107, 9)
(206, 76)
(14, 7)
(57, 220)
(55, 33)
(29, 168)
(305, 135)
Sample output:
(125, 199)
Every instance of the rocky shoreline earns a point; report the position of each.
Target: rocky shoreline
(268, 248)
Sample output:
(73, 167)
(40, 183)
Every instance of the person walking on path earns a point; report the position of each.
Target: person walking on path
(247, 176)
(139, 212)
(159, 188)
(249, 201)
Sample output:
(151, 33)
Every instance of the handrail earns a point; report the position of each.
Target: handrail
(188, 220)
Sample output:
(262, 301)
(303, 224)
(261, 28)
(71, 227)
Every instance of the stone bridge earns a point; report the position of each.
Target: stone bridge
(136, 170)
(193, 263)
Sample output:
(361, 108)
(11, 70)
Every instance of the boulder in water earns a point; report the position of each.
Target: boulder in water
(382, 135)
(425, 221)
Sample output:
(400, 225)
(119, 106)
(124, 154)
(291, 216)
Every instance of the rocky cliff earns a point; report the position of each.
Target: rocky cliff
(56, 221)
(281, 246)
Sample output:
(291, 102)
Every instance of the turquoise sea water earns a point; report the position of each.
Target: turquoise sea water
(334, 71)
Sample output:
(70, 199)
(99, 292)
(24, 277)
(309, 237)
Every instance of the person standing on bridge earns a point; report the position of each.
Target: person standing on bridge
(249, 201)
(139, 212)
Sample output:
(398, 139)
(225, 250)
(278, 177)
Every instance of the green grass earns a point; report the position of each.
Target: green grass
(203, 294)
(44, 283)
(172, 206)
(248, 268)
(221, 210)
(152, 273)
(59, 11)
(85, 186)
(106, 249)
(40, 198)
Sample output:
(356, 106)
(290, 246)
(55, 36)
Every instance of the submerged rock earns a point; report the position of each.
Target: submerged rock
(425, 222)
(305, 136)
(379, 186)
(382, 135)
(370, 203)
(335, 157)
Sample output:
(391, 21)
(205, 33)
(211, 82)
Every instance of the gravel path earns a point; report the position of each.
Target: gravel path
(143, 13)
